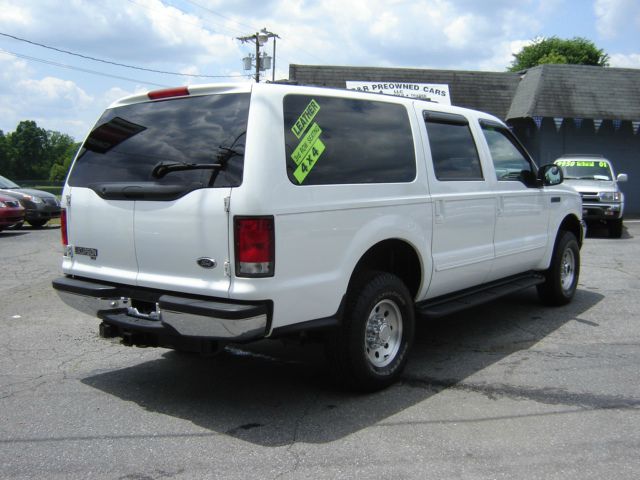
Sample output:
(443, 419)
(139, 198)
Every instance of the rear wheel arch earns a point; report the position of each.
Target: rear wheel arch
(394, 256)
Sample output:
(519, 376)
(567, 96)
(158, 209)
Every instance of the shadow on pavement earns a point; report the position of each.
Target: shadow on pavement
(12, 233)
(273, 393)
(602, 231)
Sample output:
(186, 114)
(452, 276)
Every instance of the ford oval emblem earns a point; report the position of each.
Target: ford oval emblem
(205, 262)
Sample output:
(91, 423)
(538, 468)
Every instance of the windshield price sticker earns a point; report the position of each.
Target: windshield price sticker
(309, 161)
(580, 163)
(305, 119)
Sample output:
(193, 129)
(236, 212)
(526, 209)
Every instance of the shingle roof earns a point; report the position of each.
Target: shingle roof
(578, 91)
(568, 91)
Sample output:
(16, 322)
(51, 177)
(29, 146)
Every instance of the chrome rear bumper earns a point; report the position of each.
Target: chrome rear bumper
(172, 316)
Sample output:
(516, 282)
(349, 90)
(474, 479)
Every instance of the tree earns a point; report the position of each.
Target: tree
(28, 144)
(62, 163)
(5, 158)
(576, 51)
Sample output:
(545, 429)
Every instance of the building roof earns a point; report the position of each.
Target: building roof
(567, 91)
(578, 91)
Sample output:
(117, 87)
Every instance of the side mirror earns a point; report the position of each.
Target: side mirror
(622, 177)
(550, 175)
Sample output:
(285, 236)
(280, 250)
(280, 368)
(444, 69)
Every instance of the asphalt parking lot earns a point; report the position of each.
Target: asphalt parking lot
(508, 390)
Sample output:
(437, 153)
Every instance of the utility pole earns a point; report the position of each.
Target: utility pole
(262, 62)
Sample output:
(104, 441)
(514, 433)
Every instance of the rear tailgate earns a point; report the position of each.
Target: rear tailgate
(183, 244)
(101, 237)
(147, 193)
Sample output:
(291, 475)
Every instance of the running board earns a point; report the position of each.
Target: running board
(471, 297)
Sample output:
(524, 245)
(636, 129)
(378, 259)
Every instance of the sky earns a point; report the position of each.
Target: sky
(187, 38)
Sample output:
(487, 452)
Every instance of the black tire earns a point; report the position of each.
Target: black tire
(615, 228)
(37, 223)
(561, 279)
(17, 226)
(369, 351)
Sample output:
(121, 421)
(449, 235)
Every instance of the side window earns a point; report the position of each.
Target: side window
(453, 150)
(332, 140)
(509, 161)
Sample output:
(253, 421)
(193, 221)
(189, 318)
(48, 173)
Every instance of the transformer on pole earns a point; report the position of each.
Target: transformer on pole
(262, 61)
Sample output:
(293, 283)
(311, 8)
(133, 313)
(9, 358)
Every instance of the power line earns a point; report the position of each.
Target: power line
(153, 9)
(220, 15)
(62, 65)
(87, 57)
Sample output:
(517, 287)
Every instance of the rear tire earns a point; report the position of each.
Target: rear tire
(370, 349)
(615, 228)
(561, 279)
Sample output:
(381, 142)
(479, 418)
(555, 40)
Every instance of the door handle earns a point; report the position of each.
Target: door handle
(500, 208)
(439, 214)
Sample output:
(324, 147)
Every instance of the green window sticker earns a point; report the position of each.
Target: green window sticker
(309, 161)
(580, 163)
(306, 143)
(305, 119)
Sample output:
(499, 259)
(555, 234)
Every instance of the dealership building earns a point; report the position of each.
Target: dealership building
(553, 109)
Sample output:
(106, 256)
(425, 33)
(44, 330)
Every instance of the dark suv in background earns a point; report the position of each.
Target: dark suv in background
(40, 207)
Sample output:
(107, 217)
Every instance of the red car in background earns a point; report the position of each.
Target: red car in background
(11, 212)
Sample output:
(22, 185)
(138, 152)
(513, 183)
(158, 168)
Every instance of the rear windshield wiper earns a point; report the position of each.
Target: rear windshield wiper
(224, 154)
(162, 168)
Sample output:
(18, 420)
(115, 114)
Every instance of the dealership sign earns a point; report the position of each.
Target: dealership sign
(435, 92)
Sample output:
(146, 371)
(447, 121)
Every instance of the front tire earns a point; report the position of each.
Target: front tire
(370, 349)
(561, 279)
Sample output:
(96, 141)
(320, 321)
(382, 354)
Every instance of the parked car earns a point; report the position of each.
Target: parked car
(199, 216)
(40, 207)
(11, 212)
(594, 179)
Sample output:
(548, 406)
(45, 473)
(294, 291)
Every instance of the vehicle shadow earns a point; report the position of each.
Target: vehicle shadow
(12, 233)
(273, 393)
(601, 231)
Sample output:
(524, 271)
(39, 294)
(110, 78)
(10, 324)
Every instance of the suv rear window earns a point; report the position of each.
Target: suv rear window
(332, 140)
(129, 141)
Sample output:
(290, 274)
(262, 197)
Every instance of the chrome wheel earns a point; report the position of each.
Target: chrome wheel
(383, 333)
(567, 269)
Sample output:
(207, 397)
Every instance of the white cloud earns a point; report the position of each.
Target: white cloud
(620, 60)
(51, 91)
(617, 18)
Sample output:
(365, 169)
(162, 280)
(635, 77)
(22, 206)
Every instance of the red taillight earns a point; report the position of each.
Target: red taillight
(63, 227)
(168, 93)
(255, 246)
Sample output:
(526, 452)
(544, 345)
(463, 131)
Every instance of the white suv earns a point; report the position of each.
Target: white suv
(198, 216)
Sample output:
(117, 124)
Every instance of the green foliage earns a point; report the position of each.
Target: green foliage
(62, 150)
(576, 51)
(31, 152)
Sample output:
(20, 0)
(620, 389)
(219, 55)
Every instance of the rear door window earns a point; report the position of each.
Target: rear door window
(453, 150)
(347, 141)
(129, 141)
